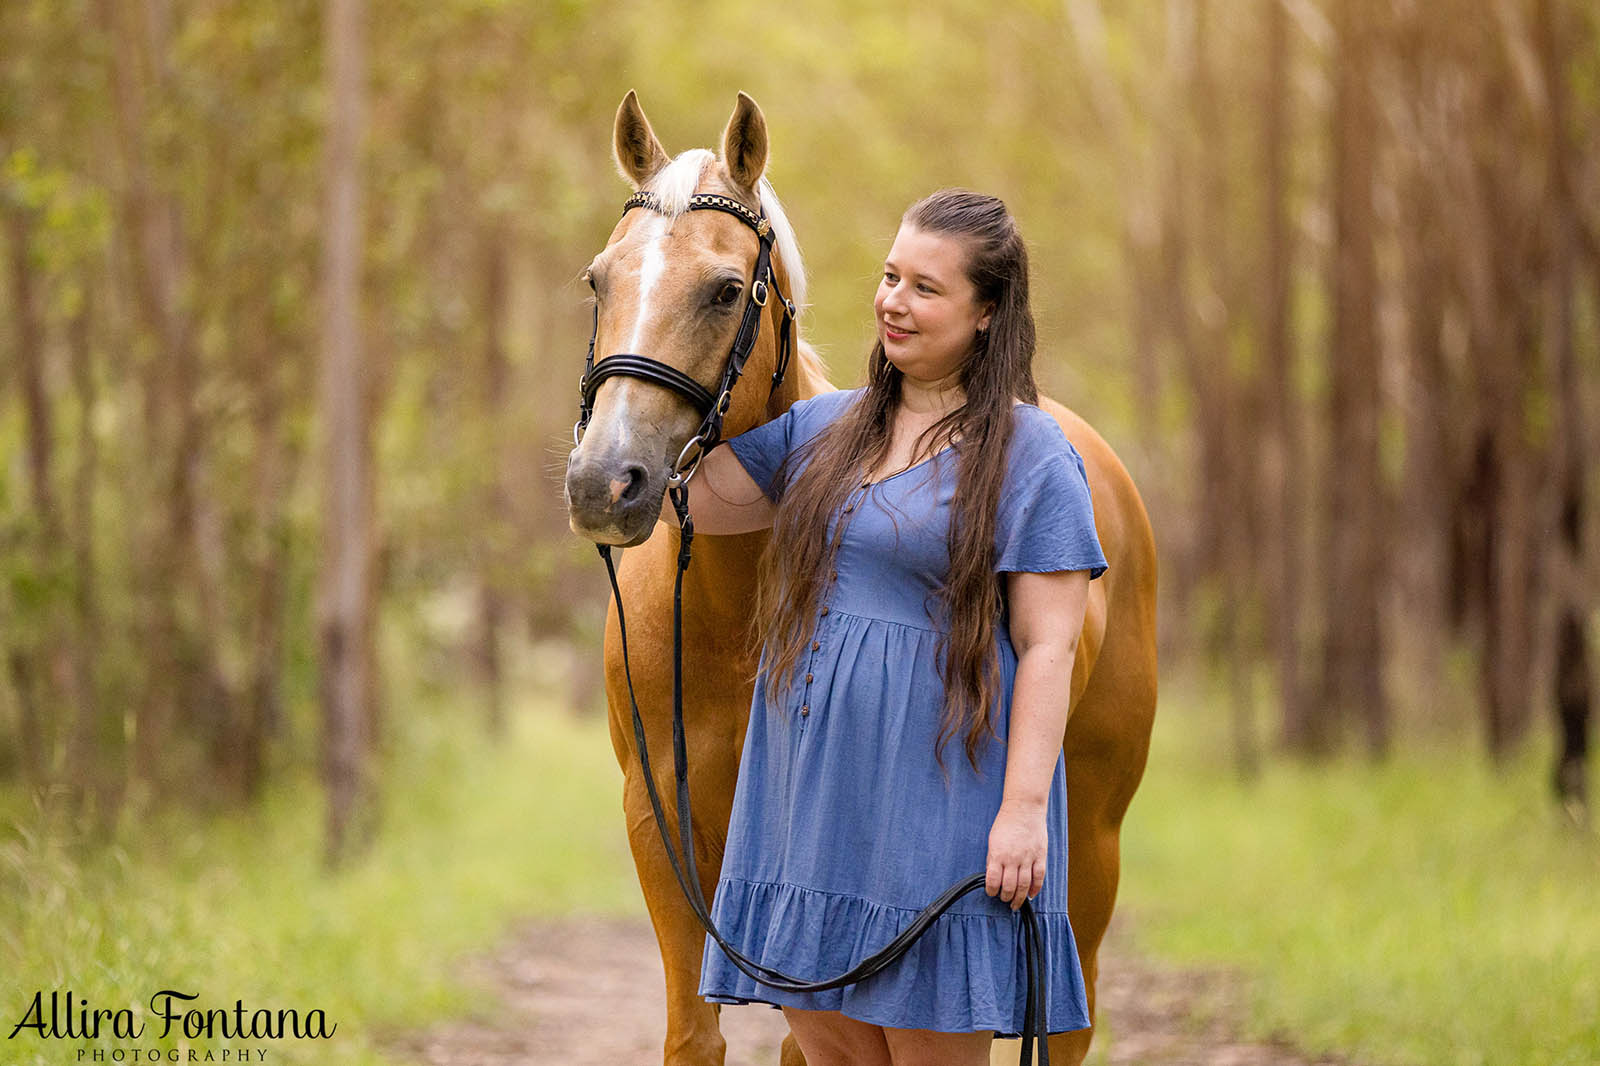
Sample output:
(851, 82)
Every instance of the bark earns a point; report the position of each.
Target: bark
(1200, 555)
(1573, 698)
(26, 651)
(1228, 403)
(491, 593)
(183, 670)
(1505, 348)
(1353, 558)
(1422, 558)
(98, 759)
(46, 656)
(262, 704)
(1284, 480)
(345, 623)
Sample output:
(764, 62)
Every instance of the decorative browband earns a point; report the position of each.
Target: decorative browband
(699, 202)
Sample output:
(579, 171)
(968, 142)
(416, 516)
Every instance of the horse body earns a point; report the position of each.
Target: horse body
(614, 489)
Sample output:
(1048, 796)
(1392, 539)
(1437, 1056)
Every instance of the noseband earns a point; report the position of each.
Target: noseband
(712, 406)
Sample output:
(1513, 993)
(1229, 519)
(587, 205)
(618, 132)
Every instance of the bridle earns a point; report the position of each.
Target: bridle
(712, 408)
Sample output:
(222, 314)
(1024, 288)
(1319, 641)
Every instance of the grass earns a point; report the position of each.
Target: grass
(1428, 911)
(237, 908)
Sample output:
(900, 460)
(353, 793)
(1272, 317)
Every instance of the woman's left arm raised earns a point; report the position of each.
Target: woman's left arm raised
(1047, 612)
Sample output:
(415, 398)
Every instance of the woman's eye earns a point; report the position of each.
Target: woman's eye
(890, 278)
(925, 288)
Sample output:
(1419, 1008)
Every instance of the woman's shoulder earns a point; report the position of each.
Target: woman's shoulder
(1035, 434)
(824, 406)
(834, 397)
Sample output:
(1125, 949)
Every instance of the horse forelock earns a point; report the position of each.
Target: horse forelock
(677, 181)
(680, 179)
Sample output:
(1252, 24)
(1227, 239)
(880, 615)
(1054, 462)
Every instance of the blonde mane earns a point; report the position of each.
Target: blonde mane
(677, 181)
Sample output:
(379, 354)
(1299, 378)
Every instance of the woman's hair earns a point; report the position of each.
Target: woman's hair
(800, 555)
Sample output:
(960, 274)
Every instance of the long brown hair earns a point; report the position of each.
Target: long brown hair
(1000, 367)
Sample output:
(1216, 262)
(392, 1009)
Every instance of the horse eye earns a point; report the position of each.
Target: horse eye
(589, 278)
(730, 292)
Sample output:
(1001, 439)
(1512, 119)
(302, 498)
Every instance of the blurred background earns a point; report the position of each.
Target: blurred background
(302, 673)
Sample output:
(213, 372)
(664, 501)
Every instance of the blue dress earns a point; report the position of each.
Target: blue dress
(842, 826)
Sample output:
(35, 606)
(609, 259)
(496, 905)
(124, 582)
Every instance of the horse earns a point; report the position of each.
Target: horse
(650, 282)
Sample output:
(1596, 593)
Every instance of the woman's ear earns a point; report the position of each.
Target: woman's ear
(983, 321)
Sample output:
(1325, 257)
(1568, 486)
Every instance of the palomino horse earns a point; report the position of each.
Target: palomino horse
(653, 284)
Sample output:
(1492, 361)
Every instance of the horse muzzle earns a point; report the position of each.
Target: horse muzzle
(613, 499)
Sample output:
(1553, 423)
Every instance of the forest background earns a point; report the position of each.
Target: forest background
(291, 326)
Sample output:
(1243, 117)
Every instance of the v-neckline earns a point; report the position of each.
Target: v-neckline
(907, 470)
(949, 448)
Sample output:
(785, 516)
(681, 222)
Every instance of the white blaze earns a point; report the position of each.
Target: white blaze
(652, 265)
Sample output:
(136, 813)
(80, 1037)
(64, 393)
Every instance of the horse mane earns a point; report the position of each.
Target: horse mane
(674, 183)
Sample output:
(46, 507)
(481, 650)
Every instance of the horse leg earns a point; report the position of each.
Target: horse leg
(1108, 741)
(694, 1036)
(1094, 864)
(790, 1054)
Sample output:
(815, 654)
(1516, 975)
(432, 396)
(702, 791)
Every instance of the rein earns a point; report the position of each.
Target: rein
(712, 408)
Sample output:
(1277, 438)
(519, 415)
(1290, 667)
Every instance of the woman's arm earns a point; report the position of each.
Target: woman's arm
(723, 497)
(1046, 618)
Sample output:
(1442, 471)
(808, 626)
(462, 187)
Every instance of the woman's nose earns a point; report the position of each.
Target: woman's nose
(894, 299)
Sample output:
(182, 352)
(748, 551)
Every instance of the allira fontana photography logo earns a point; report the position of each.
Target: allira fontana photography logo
(59, 1015)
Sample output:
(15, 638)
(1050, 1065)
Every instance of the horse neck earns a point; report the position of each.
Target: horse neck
(803, 378)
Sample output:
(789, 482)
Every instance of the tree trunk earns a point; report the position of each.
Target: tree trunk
(275, 460)
(497, 517)
(98, 757)
(1504, 344)
(182, 672)
(29, 645)
(1573, 698)
(345, 625)
(1283, 480)
(1354, 563)
(1429, 416)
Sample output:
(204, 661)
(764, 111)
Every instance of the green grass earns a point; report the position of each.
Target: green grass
(1428, 912)
(1431, 911)
(237, 908)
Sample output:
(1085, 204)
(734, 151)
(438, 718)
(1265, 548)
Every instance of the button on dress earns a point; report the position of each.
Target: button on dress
(843, 826)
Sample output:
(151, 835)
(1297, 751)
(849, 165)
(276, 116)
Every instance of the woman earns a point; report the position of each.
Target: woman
(925, 581)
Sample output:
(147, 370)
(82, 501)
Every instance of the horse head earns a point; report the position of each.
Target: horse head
(672, 285)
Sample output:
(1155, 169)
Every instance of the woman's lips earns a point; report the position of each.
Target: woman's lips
(895, 334)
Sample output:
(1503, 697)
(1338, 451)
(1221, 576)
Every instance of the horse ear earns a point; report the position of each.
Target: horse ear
(639, 154)
(744, 144)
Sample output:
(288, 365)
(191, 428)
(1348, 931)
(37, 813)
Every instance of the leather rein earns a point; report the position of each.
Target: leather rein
(712, 407)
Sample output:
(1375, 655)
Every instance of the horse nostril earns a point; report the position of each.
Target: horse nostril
(631, 482)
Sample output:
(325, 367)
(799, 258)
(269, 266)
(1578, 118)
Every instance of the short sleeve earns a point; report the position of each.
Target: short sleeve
(762, 450)
(1046, 519)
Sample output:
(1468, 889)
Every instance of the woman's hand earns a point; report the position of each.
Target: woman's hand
(1017, 845)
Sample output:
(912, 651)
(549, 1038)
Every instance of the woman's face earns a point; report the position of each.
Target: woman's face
(927, 309)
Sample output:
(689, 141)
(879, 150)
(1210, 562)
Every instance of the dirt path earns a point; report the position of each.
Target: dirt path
(588, 991)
